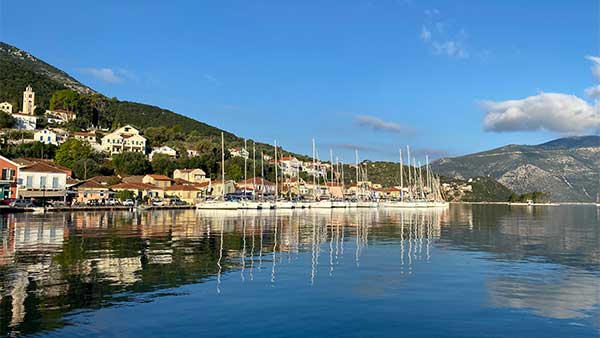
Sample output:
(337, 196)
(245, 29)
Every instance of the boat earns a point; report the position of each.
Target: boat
(322, 204)
(338, 204)
(284, 204)
(222, 203)
(218, 205)
(367, 204)
(249, 204)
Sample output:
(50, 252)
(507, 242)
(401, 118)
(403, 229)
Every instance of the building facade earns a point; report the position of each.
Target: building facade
(25, 122)
(28, 101)
(191, 175)
(6, 107)
(41, 180)
(164, 150)
(126, 138)
(9, 178)
(47, 136)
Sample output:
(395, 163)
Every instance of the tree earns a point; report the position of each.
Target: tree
(82, 159)
(131, 163)
(71, 151)
(125, 195)
(32, 149)
(163, 164)
(64, 99)
(6, 120)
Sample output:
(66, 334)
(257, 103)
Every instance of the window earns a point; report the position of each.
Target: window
(43, 182)
(55, 182)
(29, 183)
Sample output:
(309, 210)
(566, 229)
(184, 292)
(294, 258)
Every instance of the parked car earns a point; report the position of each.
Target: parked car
(22, 204)
(6, 202)
(112, 201)
(177, 201)
(158, 203)
(128, 203)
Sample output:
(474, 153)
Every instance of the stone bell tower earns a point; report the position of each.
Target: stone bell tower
(28, 101)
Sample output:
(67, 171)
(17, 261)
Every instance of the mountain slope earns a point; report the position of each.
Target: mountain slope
(567, 168)
(18, 69)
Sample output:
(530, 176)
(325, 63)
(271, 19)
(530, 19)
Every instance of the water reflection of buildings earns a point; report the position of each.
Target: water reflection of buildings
(68, 255)
(79, 260)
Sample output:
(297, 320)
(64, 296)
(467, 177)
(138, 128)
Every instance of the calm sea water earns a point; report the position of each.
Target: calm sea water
(470, 271)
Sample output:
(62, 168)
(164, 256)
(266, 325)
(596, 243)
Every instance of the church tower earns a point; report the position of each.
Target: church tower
(28, 101)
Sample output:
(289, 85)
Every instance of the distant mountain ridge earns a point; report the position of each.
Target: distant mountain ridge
(566, 168)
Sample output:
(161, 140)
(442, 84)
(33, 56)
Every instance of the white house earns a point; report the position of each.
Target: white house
(40, 180)
(59, 116)
(47, 136)
(162, 150)
(6, 107)
(192, 152)
(191, 175)
(290, 165)
(239, 152)
(25, 122)
(126, 138)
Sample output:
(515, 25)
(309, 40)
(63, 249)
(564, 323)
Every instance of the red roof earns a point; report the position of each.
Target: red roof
(42, 167)
(182, 187)
(158, 177)
(134, 186)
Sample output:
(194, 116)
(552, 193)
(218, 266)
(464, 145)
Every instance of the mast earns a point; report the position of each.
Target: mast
(314, 167)
(356, 156)
(401, 176)
(343, 182)
(253, 170)
(276, 179)
(223, 165)
(429, 186)
(331, 181)
(245, 165)
(410, 183)
(262, 175)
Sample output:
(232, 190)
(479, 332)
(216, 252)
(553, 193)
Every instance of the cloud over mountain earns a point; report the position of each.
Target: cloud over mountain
(554, 112)
(546, 111)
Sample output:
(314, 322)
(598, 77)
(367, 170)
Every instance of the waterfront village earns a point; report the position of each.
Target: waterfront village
(42, 180)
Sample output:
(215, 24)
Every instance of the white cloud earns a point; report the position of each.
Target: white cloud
(595, 66)
(378, 124)
(442, 41)
(103, 74)
(593, 92)
(450, 48)
(546, 111)
(425, 34)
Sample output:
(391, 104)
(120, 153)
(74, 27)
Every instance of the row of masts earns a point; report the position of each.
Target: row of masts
(414, 184)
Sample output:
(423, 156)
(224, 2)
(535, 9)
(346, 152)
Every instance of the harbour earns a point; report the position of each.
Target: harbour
(68, 273)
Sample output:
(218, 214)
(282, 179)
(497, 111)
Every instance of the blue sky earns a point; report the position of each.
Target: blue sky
(377, 74)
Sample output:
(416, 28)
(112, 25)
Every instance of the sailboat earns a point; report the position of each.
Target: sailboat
(362, 201)
(222, 203)
(246, 203)
(318, 203)
(283, 203)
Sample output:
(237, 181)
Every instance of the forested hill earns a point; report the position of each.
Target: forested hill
(19, 68)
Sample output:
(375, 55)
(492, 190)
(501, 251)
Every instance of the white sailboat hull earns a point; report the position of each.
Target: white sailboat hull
(284, 205)
(338, 204)
(218, 205)
(322, 205)
(367, 204)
